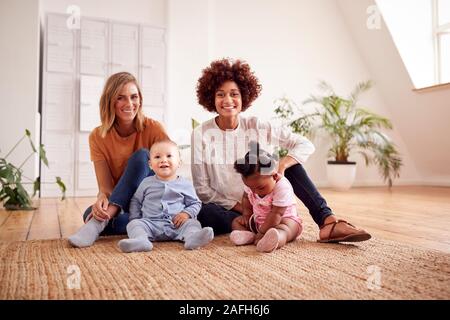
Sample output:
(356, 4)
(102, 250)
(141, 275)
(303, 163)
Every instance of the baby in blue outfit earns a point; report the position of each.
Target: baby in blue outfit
(165, 206)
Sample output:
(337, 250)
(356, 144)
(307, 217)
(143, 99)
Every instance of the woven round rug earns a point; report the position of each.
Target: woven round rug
(304, 269)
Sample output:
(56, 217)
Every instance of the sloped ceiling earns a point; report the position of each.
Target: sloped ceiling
(422, 119)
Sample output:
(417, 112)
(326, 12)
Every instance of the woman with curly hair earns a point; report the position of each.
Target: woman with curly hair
(228, 88)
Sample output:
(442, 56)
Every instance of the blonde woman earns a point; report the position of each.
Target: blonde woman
(119, 149)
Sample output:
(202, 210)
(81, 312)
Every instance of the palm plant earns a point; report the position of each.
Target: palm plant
(351, 128)
(12, 192)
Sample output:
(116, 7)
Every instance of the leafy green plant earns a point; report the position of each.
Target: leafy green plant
(13, 195)
(350, 127)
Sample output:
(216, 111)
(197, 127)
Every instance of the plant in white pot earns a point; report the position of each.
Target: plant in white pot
(352, 129)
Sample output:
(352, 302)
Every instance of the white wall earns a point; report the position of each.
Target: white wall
(189, 28)
(188, 31)
(19, 60)
(152, 12)
(290, 44)
(19, 85)
(422, 119)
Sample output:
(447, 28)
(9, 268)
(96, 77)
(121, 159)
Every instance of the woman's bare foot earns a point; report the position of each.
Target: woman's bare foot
(334, 230)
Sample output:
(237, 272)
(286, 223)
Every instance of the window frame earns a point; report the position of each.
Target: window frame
(438, 31)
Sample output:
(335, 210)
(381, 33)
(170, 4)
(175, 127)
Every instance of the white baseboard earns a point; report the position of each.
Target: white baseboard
(399, 182)
(436, 182)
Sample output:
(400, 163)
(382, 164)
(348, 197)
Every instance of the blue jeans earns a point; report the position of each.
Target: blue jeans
(136, 170)
(219, 218)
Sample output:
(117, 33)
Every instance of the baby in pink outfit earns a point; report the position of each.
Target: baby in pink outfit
(269, 216)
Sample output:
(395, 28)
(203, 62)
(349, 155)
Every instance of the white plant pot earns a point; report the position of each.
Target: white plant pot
(341, 175)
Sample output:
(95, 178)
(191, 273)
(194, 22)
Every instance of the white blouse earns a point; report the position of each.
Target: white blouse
(214, 151)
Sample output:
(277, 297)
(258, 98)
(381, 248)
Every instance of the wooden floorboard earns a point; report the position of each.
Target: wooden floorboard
(70, 217)
(4, 216)
(415, 215)
(16, 226)
(83, 203)
(45, 223)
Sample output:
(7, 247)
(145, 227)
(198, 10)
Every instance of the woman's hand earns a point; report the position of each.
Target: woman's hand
(243, 220)
(285, 163)
(105, 185)
(99, 208)
(180, 218)
(281, 170)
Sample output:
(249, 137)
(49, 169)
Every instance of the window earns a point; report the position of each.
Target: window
(421, 32)
(441, 36)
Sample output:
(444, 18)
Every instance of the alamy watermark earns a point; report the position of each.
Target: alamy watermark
(219, 147)
(373, 281)
(373, 21)
(73, 21)
(73, 280)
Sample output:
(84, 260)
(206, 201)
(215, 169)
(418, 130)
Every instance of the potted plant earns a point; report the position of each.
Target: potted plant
(351, 129)
(13, 195)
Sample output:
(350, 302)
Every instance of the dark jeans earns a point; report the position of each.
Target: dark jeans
(136, 170)
(216, 217)
(219, 218)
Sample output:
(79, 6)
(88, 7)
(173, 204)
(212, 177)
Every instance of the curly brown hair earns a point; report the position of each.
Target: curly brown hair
(224, 70)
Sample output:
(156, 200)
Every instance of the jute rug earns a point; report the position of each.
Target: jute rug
(376, 269)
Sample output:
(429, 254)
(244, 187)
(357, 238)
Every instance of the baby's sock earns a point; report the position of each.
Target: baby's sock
(135, 245)
(87, 234)
(269, 242)
(199, 238)
(242, 237)
(138, 238)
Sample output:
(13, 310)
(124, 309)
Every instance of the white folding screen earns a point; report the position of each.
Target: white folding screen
(77, 63)
(153, 70)
(125, 48)
(94, 53)
(58, 98)
(60, 45)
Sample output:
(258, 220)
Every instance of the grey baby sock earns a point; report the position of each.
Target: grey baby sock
(135, 245)
(199, 238)
(87, 234)
(138, 238)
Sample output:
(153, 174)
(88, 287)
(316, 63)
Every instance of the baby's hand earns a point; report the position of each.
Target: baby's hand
(179, 219)
(243, 220)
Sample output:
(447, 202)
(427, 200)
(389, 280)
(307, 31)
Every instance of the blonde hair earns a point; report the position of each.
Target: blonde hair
(112, 88)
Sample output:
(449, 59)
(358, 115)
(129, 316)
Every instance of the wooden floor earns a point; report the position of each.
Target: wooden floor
(415, 215)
